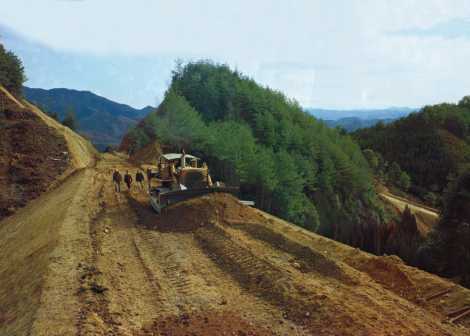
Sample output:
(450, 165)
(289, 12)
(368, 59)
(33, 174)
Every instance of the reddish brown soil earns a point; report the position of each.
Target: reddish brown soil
(31, 157)
(210, 266)
(209, 323)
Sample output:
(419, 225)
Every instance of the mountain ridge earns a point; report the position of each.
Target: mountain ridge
(101, 119)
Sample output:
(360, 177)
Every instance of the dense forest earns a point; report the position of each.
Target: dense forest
(447, 249)
(432, 146)
(291, 164)
(12, 74)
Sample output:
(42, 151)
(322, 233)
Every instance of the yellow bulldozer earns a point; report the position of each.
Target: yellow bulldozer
(179, 177)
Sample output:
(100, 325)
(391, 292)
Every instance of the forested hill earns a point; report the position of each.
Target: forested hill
(292, 165)
(102, 120)
(433, 146)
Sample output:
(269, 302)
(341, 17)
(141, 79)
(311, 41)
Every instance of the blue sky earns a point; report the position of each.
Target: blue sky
(328, 54)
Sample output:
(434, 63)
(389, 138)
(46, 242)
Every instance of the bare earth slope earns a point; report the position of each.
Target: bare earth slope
(36, 153)
(84, 260)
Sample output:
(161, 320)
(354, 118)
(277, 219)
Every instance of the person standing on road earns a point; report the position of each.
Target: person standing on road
(128, 180)
(117, 178)
(139, 178)
(149, 176)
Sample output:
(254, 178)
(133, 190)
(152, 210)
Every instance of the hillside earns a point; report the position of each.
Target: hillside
(35, 153)
(292, 165)
(432, 146)
(102, 120)
(106, 264)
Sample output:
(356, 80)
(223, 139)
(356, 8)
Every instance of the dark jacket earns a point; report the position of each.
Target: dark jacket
(128, 178)
(139, 177)
(117, 177)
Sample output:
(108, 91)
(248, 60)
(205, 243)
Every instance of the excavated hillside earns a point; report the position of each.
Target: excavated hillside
(35, 153)
(84, 260)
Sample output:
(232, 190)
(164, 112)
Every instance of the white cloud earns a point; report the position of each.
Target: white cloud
(323, 53)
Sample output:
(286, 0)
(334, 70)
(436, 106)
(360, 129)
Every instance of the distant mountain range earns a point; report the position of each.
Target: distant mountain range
(352, 124)
(388, 113)
(352, 120)
(102, 120)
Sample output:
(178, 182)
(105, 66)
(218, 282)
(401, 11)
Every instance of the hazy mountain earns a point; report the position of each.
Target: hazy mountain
(102, 120)
(351, 124)
(388, 113)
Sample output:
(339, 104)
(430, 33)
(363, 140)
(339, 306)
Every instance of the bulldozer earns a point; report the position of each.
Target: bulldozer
(180, 177)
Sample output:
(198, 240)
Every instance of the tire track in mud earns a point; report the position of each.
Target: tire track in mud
(308, 259)
(257, 276)
(94, 312)
(117, 293)
(164, 306)
(207, 287)
(171, 253)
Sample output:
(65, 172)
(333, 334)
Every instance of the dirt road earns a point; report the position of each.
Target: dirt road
(84, 260)
(426, 217)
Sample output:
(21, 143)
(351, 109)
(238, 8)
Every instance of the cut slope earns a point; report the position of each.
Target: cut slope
(35, 152)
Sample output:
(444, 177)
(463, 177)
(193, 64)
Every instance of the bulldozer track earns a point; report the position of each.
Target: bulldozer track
(243, 258)
(248, 269)
(313, 261)
(92, 300)
(154, 285)
(173, 270)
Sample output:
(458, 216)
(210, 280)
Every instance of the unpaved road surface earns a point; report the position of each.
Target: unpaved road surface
(426, 217)
(85, 260)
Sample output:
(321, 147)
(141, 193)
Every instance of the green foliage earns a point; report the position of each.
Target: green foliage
(447, 250)
(430, 145)
(178, 123)
(404, 182)
(12, 74)
(372, 159)
(257, 138)
(70, 119)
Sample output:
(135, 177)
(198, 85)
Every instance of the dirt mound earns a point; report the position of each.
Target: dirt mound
(32, 155)
(388, 271)
(215, 323)
(147, 154)
(203, 211)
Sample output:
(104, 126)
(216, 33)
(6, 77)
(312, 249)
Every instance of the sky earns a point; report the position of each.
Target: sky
(340, 54)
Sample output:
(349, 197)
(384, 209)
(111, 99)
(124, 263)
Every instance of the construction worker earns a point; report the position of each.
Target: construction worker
(149, 176)
(117, 178)
(183, 159)
(128, 180)
(139, 178)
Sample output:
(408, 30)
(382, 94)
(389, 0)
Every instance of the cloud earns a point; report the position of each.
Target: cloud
(335, 54)
(450, 29)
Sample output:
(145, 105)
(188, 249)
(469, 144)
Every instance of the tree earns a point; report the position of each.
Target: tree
(465, 101)
(447, 250)
(12, 74)
(178, 123)
(404, 181)
(372, 159)
(394, 173)
(70, 119)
